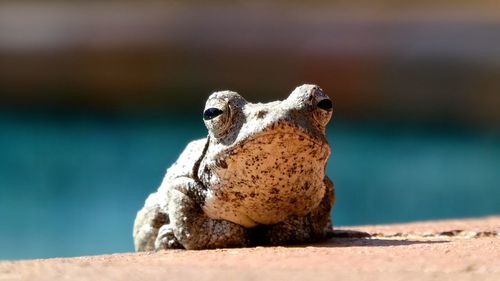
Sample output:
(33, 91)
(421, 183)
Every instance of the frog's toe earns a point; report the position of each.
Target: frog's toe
(166, 239)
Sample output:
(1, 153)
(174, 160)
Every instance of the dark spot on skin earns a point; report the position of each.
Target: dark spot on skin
(261, 114)
(222, 195)
(221, 163)
(239, 195)
(274, 190)
(254, 177)
(273, 200)
(207, 173)
(160, 219)
(293, 200)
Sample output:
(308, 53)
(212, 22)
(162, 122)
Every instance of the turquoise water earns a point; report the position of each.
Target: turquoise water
(71, 185)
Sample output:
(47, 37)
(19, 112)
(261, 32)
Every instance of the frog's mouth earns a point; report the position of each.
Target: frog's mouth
(284, 135)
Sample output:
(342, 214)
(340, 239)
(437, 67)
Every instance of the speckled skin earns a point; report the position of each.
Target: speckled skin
(257, 179)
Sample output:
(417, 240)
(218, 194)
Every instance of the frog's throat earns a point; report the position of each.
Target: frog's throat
(307, 138)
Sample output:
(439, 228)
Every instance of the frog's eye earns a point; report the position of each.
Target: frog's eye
(221, 110)
(217, 116)
(325, 104)
(211, 113)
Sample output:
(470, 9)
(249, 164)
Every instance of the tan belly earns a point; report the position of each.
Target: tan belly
(266, 207)
(264, 183)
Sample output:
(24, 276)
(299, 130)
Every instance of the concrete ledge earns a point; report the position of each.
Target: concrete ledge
(466, 249)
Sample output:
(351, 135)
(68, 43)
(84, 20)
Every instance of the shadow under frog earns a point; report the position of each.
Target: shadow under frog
(257, 179)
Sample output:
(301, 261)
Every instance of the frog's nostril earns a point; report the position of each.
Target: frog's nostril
(318, 90)
(261, 114)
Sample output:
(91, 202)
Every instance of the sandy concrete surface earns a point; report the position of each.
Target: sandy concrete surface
(466, 249)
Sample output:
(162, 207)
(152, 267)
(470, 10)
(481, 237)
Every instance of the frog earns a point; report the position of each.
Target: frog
(258, 178)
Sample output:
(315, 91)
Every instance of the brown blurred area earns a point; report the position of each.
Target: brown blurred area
(422, 60)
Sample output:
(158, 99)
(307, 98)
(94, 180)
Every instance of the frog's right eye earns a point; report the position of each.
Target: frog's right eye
(211, 113)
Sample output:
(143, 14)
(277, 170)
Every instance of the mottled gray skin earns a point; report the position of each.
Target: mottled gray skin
(257, 179)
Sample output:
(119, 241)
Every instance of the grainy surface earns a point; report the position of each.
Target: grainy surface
(444, 250)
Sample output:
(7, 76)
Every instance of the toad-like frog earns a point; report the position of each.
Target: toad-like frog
(258, 178)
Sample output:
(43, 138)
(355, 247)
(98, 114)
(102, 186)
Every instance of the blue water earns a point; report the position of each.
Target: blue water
(71, 185)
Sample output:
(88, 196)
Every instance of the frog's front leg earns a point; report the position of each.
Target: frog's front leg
(149, 220)
(192, 228)
(302, 229)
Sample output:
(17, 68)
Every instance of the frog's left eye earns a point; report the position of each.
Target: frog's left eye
(211, 113)
(325, 104)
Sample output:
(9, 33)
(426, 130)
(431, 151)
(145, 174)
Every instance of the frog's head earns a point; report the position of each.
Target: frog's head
(232, 121)
(234, 124)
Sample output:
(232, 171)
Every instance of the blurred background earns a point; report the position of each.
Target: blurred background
(98, 98)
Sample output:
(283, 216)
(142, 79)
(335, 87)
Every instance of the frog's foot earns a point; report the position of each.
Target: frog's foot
(166, 239)
(193, 229)
(147, 223)
(226, 234)
(312, 227)
(292, 231)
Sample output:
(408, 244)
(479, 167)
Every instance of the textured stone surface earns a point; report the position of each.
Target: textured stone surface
(466, 249)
